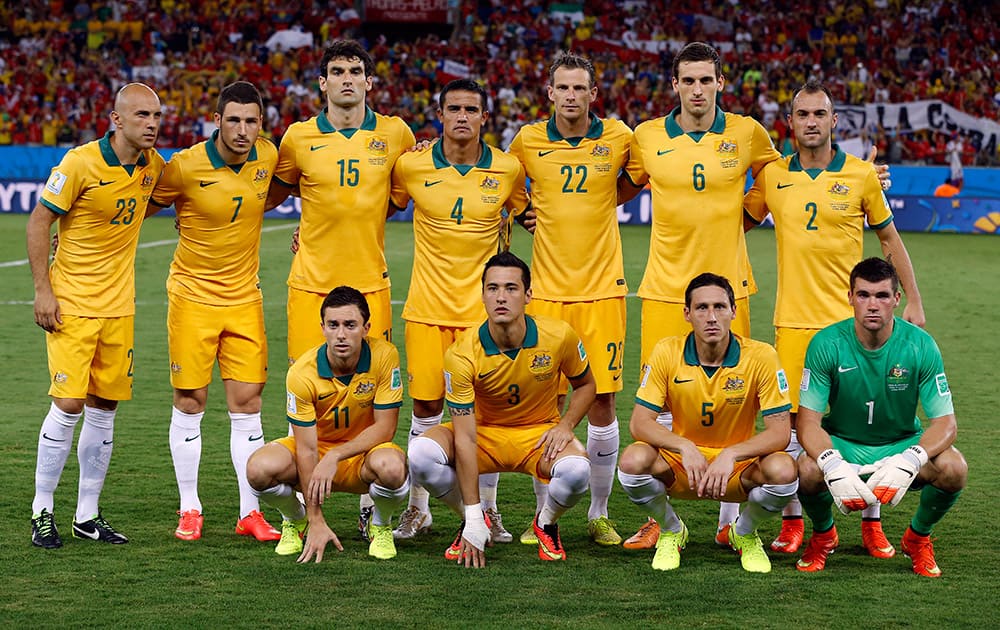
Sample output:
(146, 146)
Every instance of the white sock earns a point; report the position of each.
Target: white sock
(764, 502)
(488, 483)
(649, 493)
(418, 496)
(94, 454)
(365, 501)
(246, 435)
(602, 449)
(570, 479)
(541, 494)
(728, 512)
(793, 509)
(55, 439)
(282, 497)
(185, 449)
(666, 418)
(429, 466)
(387, 501)
(874, 512)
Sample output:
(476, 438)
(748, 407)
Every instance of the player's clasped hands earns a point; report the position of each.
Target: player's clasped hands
(716, 477)
(695, 465)
(848, 491)
(554, 441)
(321, 483)
(316, 541)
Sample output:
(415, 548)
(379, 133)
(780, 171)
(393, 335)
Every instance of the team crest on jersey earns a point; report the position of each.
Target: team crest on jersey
(898, 378)
(489, 184)
(378, 151)
(365, 389)
(260, 175)
(839, 189)
(147, 180)
(734, 384)
(728, 152)
(601, 155)
(540, 363)
(59, 378)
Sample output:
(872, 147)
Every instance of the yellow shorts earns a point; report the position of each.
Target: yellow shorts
(681, 487)
(791, 344)
(601, 326)
(91, 355)
(348, 477)
(425, 346)
(197, 334)
(666, 319)
(305, 330)
(511, 449)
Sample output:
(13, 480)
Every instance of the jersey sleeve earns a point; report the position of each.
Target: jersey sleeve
(874, 203)
(652, 392)
(399, 195)
(299, 406)
(287, 171)
(458, 375)
(634, 169)
(518, 201)
(516, 147)
(762, 151)
(573, 362)
(170, 185)
(935, 395)
(389, 391)
(755, 201)
(772, 384)
(814, 391)
(65, 184)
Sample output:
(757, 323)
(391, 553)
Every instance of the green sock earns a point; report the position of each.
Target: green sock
(818, 507)
(934, 504)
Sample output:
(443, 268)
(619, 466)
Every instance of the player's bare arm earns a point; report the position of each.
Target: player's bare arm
(556, 439)
(895, 253)
(319, 532)
(47, 313)
(467, 469)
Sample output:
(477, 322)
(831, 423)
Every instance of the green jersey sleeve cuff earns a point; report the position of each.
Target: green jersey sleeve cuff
(282, 182)
(457, 405)
(51, 206)
(879, 226)
(301, 423)
(774, 410)
(581, 374)
(648, 405)
(395, 405)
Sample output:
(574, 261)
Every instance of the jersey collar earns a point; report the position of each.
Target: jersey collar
(674, 129)
(215, 158)
(440, 161)
(325, 371)
(595, 131)
(836, 164)
(490, 346)
(108, 153)
(731, 359)
(368, 124)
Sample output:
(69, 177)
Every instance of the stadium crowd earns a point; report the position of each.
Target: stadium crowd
(60, 62)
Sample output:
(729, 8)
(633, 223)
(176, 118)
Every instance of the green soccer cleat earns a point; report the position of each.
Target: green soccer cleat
(382, 545)
(668, 549)
(602, 531)
(291, 537)
(752, 555)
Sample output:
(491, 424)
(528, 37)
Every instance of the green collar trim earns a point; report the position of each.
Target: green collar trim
(490, 346)
(111, 159)
(731, 359)
(324, 125)
(674, 129)
(594, 131)
(325, 371)
(215, 158)
(836, 164)
(440, 161)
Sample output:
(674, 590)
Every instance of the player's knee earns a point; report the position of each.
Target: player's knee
(262, 471)
(636, 459)
(779, 469)
(425, 456)
(574, 472)
(70, 406)
(389, 467)
(953, 471)
(810, 475)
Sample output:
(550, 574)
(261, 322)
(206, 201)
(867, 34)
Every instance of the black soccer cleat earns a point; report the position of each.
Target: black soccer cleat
(44, 532)
(98, 529)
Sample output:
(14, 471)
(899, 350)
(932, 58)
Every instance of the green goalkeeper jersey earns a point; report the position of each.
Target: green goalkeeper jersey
(871, 396)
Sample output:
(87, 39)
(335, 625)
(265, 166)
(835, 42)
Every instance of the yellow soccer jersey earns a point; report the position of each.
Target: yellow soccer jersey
(341, 407)
(513, 388)
(220, 209)
(457, 214)
(343, 176)
(819, 219)
(697, 180)
(101, 204)
(577, 250)
(714, 406)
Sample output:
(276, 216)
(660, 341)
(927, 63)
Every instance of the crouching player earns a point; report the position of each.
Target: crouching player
(501, 386)
(715, 382)
(343, 403)
(871, 371)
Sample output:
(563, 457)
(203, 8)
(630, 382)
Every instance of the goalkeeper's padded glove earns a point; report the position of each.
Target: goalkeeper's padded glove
(891, 481)
(846, 487)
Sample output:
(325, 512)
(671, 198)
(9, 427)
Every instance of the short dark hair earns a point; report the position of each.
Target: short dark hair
(240, 92)
(698, 51)
(507, 259)
(574, 62)
(345, 296)
(346, 49)
(463, 85)
(814, 87)
(709, 280)
(875, 269)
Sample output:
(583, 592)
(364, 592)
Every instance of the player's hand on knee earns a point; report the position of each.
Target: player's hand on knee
(891, 481)
(848, 491)
(554, 441)
(321, 483)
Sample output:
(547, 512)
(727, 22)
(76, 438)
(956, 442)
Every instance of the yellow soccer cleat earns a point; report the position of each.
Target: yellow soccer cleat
(291, 537)
(752, 555)
(668, 549)
(602, 531)
(382, 545)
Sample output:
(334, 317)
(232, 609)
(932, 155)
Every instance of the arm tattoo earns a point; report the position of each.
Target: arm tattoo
(459, 411)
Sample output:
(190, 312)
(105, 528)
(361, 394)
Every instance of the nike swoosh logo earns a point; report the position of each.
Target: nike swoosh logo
(679, 381)
(485, 374)
(46, 436)
(664, 151)
(616, 377)
(104, 183)
(414, 434)
(107, 442)
(316, 147)
(322, 396)
(254, 439)
(94, 535)
(842, 369)
(206, 184)
(780, 186)
(192, 438)
(434, 183)
(600, 454)
(544, 153)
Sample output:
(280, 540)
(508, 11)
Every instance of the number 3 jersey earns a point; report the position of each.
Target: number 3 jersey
(101, 204)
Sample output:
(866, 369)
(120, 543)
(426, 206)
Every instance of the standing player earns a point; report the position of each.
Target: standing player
(460, 189)
(715, 382)
(340, 162)
(820, 199)
(215, 310)
(870, 372)
(85, 302)
(502, 384)
(343, 405)
(574, 160)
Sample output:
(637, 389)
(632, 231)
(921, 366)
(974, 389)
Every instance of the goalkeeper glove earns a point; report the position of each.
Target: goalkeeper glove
(891, 481)
(476, 533)
(846, 487)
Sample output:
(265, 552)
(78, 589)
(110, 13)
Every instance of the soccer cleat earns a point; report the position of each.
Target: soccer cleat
(920, 549)
(498, 534)
(528, 536)
(364, 521)
(291, 537)
(722, 535)
(602, 531)
(382, 545)
(668, 548)
(874, 540)
(549, 545)
(412, 521)
(646, 537)
(98, 529)
(254, 524)
(454, 551)
(752, 555)
(789, 540)
(189, 525)
(819, 548)
(43, 531)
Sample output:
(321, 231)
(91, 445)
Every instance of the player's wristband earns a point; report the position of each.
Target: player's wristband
(829, 459)
(474, 514)
(916, 452)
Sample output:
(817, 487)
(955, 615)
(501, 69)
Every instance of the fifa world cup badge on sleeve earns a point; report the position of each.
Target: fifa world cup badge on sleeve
(291, 406)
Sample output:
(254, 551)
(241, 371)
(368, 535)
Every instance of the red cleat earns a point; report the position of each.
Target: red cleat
(254, 524)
